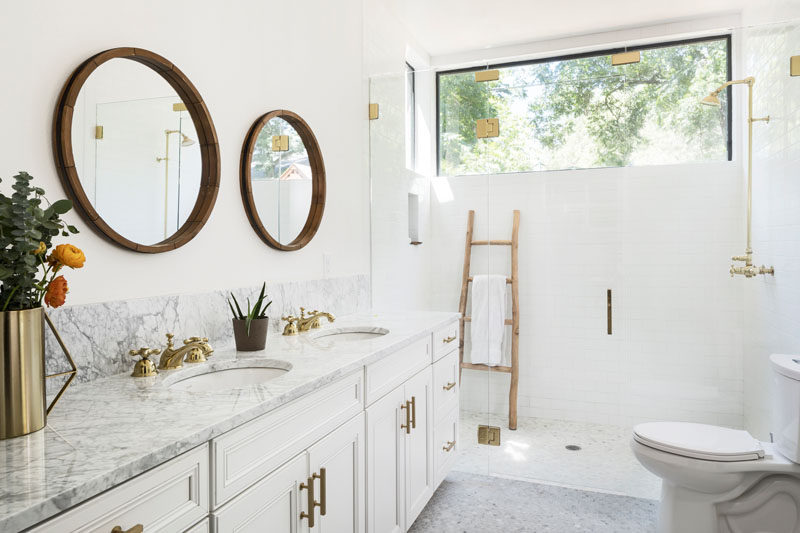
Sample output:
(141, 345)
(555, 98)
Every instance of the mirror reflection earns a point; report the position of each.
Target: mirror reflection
(281, 180)
(136, 151)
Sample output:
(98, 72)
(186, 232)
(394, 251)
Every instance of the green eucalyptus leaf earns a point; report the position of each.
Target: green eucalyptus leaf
(61, 206)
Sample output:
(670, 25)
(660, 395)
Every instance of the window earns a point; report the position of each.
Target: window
(411, 119)
(582, 112)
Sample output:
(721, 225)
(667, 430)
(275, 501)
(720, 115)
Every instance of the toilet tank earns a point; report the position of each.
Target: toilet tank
(786, 404)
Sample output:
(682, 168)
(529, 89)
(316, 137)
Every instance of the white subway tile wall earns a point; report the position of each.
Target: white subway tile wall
(660, 238)
(772, 321)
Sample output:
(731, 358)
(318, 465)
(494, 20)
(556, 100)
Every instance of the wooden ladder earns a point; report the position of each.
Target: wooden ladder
(466, 279)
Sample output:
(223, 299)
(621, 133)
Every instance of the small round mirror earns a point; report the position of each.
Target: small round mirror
(136, 150)
(283, 180)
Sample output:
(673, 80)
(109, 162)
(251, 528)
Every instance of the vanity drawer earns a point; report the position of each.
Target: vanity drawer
(246, 454)
(171, 497)
(445, 385)
(393, 370)
(445, 340)
(202, 527)
(445, 446)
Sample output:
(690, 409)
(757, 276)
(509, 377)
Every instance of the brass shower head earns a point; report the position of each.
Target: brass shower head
(711, 100)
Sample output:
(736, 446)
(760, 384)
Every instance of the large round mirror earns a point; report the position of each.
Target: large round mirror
(136, 150)
(283, 180)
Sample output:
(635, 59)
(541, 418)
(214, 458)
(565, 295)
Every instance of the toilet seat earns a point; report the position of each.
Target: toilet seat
(699, 441)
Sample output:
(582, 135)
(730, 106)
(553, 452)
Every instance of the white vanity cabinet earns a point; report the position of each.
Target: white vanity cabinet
(360, 454)
(172, 497)
(280, 502)
(400, 459)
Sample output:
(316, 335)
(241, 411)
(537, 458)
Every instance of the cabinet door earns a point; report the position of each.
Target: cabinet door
(385, 464)
(341, 489)
(272, 505)
(418, 450)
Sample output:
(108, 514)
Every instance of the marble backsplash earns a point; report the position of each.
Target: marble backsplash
(99, 336)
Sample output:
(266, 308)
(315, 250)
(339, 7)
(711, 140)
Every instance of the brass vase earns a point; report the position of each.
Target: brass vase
(23, 407)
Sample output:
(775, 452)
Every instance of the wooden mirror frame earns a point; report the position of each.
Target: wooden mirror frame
(314, 218)
(207, 139)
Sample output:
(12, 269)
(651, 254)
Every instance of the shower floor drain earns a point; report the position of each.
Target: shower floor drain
(572, 447)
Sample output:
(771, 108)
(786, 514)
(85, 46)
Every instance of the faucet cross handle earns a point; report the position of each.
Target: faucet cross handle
(143, 352)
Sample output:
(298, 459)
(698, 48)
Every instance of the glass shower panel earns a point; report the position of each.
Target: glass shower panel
(419, 224)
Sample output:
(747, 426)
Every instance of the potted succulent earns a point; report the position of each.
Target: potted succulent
(30, 277)
(250, 329)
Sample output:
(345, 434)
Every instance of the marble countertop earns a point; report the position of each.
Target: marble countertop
(107, 431)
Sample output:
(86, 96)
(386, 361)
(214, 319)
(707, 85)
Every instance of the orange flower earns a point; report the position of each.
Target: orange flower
(67, 255)
(40, 250)
(56, 293)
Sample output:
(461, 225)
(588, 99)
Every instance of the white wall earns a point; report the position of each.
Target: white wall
(245, 58)
(773, 304)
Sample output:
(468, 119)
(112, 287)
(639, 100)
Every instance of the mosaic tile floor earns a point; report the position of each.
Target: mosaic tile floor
(472, 503)
(536, 452)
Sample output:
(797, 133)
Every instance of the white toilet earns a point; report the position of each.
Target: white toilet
(721, 480)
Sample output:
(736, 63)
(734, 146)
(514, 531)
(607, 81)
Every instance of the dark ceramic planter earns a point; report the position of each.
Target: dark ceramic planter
(257, 338)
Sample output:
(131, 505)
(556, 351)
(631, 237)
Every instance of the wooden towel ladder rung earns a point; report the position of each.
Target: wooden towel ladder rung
(466, 279)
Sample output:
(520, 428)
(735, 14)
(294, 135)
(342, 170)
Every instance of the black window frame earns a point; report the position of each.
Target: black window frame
(727, 37)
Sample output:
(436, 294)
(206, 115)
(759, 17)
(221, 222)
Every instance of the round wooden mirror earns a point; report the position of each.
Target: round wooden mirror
(136, 150)
(283, 180)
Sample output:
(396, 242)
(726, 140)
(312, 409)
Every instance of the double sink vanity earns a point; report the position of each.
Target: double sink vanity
(345, 428)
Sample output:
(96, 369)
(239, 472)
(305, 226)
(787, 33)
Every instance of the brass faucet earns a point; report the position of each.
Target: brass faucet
(312, 320)
(291, 325)
(295, 325)
(194, 350)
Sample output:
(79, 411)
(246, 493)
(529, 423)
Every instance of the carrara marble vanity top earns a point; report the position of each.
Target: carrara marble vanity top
(107, 431)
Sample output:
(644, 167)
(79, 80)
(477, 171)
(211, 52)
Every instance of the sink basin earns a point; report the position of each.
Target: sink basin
(352, 334)
(216, 379)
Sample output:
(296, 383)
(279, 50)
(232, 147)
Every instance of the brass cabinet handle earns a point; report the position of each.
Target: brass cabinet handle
(449, 446)
(448, 339)
(309, 486)
(449, 385)
(413, 412)
(323, 491)
(407, 425)
(138, 528)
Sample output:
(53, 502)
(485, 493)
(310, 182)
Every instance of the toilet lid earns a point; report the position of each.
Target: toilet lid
(699, 441)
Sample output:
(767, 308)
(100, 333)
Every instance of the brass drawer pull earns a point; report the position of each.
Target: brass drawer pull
(309, 486)
(413, 412)
(138, 528)
(449, 385)
(448, 339)
(449, 446)
(407, 425)
(323, 491)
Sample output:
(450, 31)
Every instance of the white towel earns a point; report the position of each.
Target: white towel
(487, 328)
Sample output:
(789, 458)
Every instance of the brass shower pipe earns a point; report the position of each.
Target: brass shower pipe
(186, 141)
(748, 270)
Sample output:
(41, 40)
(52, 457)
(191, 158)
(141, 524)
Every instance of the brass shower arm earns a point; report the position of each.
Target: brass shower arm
(749, 81)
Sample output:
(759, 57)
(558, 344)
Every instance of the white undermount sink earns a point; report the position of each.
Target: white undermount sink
(216, 379)
(352, 334)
